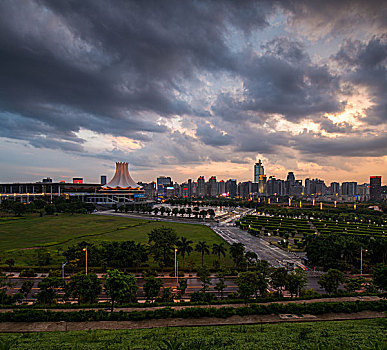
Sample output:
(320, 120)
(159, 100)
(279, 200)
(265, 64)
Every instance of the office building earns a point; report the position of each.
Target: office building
(375, 188)
(349, 188)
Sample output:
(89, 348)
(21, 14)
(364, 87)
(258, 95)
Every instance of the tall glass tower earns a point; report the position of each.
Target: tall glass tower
(258, 170)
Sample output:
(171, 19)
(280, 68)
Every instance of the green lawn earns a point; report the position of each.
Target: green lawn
(18, 236)
(362, 334)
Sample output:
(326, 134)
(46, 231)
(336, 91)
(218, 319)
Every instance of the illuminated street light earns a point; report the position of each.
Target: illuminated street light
(361, 260)
(85, 250)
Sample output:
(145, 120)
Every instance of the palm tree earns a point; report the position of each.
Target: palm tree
(219, 250)
(237, 251)
(184, 247)
(202, 248)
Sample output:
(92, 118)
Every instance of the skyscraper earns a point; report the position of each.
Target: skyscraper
(258, 170)
(375, 188)
(201, 189)
(349, 188)
(260, 177)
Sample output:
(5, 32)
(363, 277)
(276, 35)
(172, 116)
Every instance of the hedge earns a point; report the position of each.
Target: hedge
(195, 312)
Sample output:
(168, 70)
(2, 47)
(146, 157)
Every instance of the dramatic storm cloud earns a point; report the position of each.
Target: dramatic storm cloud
(188, 88)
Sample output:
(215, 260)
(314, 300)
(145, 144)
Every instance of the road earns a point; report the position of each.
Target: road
(274, 255)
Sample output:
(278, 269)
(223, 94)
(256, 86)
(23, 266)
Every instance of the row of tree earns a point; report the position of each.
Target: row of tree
(59, 205)
(344, 251)
(161, 244)
(122, 288)
(195, 211)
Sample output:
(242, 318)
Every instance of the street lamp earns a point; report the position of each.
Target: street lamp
(63, 265)
(85, 250)
(361, 260)
(176, 265)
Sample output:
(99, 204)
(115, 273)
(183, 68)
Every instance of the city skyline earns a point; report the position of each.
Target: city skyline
(186, 89)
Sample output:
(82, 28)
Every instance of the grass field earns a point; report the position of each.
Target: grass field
(362, 334)
(19, 238)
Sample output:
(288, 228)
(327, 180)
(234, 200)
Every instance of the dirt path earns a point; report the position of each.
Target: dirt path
(22, 327)
(177, 307)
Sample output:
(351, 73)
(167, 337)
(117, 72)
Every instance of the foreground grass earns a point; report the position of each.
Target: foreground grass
(361, 334)
(56, 233)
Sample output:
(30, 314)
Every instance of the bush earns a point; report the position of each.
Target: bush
(27, 273)
(194, 312)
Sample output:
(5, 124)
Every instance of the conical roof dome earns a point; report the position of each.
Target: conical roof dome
(121, 179)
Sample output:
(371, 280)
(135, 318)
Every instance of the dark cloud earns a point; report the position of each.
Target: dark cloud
(123, 67)
(338, 128)
(365, 64)
(348, 146)
(332, 17)
(212, 136)
(282, 80)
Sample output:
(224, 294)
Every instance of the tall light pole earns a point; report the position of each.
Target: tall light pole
(175, 264)
(361, 260)
(85, 250)
(63, 265)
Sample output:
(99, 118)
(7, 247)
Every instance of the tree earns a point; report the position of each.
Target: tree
(189, 212)
(331, 280)
(162, 241)
(295, 281)
(251, 283)
(219, 249)
(85, 288)
(182, 212)
(211, 213)
(48, 290)
(354, 284)
(10, 262)
(166, 296)
(121, 288)
(220, 285)
(279, 279)
(4, 283)
(175, 211)
(202, 248)
(203, 213)
(184, 247)
(44, 257)
(263, 267)
(162, 211)
(26, 288)
(156, 210)
(204, 276)
(182, 287)
(237, 251)
(152, 287)
(251, 257)
(380, 276)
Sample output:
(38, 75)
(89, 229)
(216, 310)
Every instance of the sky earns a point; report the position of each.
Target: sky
(188, 88)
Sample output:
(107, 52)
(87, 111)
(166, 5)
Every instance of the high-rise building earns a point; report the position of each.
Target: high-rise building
(260, 177)
(244, 189)
(335, 188)
(221, 188)
(201, 188)
(212, 186)
(349, 188)
(231, 188)
(164, 183)
(259, 170)
(375, 188)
